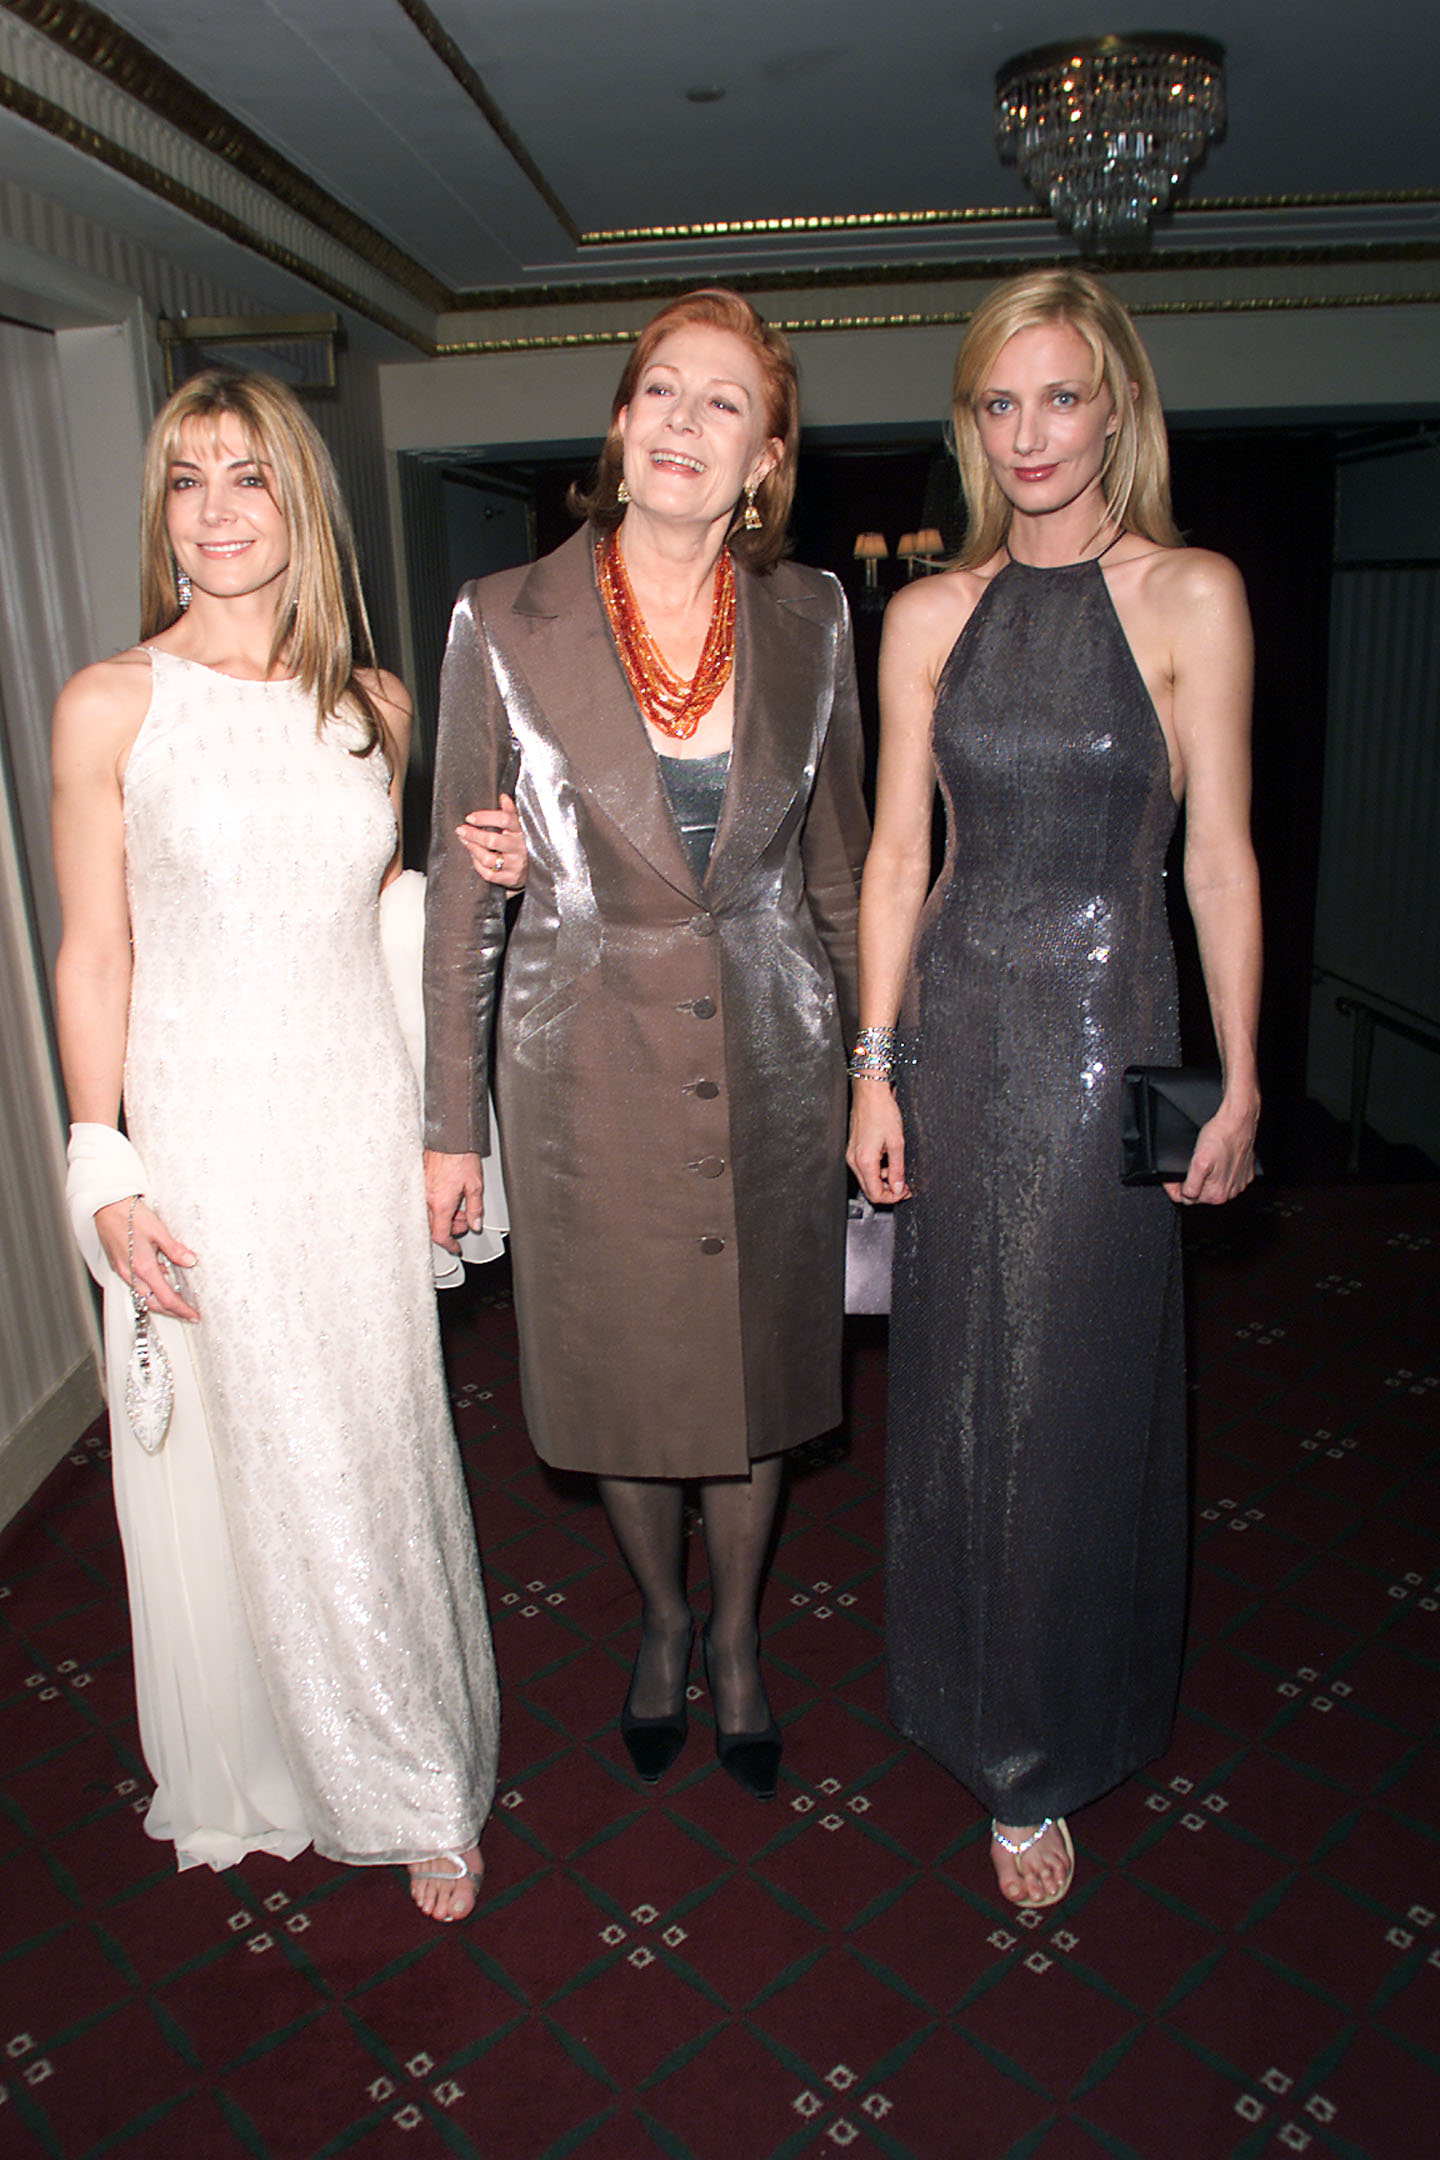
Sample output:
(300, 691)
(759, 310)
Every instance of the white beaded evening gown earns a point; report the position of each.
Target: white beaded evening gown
(313, 1659)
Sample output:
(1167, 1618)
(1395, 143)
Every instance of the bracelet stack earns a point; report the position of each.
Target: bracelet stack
(874, 1055)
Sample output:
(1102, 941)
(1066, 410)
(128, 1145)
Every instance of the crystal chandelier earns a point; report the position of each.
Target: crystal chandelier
(1106, 129)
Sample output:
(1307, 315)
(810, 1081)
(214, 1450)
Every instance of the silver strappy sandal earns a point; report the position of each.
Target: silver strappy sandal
(458, 1872)
(1018, 1846)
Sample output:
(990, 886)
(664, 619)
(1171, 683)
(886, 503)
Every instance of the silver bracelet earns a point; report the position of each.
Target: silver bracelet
(874, 1055)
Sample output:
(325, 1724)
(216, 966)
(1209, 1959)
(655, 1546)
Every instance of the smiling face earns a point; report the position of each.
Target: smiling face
(225, 527)
(694, 432)
(1044, 429)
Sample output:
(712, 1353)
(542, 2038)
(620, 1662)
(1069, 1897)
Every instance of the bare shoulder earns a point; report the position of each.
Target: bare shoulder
(389, 693)
(99, 712)
(926, 617)
(1188, 583)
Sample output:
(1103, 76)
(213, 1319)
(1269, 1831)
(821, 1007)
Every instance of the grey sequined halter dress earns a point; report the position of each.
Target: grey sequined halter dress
(1036, 1526)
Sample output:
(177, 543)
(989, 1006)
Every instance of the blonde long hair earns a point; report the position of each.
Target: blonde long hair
(322, 631)
(1135, 477)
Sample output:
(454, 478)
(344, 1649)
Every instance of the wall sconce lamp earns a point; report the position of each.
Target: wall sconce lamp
(921, 550)
(871, 550)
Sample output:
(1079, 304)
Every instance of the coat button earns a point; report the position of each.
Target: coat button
(703, 1008)
(710, 1166)
(712, 1245)
(707, 1090)
(703, 925)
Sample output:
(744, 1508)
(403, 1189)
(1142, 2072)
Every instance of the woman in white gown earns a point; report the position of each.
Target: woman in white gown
(312, 1655)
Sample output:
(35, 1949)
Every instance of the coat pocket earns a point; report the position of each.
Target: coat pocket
(522, 1035)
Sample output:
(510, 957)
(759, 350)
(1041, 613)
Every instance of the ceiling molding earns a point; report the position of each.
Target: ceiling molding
(496, 299)
(68, 69)
(56, 90)
(448, 53)
(19, 99)
(121, 59)
(777, 228)
(950, 318)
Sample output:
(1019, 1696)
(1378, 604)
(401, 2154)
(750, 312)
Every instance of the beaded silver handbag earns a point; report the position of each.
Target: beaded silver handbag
(149, 1382)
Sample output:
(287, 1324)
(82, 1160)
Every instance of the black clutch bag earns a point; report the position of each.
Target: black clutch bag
(869, 1255)
(1162, 1108)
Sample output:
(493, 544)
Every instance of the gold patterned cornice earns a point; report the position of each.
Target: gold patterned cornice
(132, 67)
(68, 69)
(784, 227)
(951, 319)
(496, 298)
(27, 104)
(897, 221)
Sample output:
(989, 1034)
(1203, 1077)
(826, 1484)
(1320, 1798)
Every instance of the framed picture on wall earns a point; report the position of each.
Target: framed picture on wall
(298, 350)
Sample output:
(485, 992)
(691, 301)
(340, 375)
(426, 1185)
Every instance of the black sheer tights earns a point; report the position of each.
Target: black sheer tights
(738, 1515)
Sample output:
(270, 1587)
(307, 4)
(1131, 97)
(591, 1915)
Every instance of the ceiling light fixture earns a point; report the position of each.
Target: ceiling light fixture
(1106, 129)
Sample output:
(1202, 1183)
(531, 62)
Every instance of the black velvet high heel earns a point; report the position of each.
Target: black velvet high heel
(751, 1758)
(653, 1743)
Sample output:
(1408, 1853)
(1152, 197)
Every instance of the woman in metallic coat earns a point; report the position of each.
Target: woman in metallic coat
(673, 709)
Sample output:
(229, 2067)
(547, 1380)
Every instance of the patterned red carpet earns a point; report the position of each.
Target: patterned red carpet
(1249, 1964)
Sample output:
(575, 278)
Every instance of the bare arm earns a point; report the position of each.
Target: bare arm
(392, 700)
(97, 717)
(1213, 675)
(921, 624)
(837, 828)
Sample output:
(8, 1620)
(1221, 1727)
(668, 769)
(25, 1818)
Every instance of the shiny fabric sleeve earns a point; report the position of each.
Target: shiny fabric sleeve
(837, 830)
(464, 916)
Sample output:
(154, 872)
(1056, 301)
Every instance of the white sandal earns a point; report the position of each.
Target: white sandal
(460, 1873)
(1016, 1847)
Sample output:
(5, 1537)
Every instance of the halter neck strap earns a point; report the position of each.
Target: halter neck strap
(1079, 560)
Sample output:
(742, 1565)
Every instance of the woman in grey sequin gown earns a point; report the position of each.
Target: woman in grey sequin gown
(1075, 675)
(312, 1655)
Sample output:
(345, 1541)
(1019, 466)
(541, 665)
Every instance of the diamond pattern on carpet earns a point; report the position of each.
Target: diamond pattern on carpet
(1249, 1964)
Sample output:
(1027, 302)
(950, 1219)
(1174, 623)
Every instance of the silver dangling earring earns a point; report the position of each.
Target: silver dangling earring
(622, 493)
(752, 520)
(182, 590)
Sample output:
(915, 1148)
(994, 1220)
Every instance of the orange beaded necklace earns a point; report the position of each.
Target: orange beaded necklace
(676, 708)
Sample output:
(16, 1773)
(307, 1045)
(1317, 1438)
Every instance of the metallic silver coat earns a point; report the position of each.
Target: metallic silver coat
(669, 1063)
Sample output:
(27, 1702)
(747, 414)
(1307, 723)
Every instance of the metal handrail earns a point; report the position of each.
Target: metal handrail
(1367, 1011)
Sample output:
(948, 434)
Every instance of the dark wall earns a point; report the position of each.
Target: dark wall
(1266, 498)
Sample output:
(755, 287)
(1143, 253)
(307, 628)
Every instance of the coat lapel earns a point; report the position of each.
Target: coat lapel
(780, 666)
(561, 644)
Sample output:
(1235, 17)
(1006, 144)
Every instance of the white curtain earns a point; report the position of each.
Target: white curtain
(48, 1388)
(45, 629)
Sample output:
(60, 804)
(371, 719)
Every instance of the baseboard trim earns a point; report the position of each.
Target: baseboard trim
(31, 1451)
